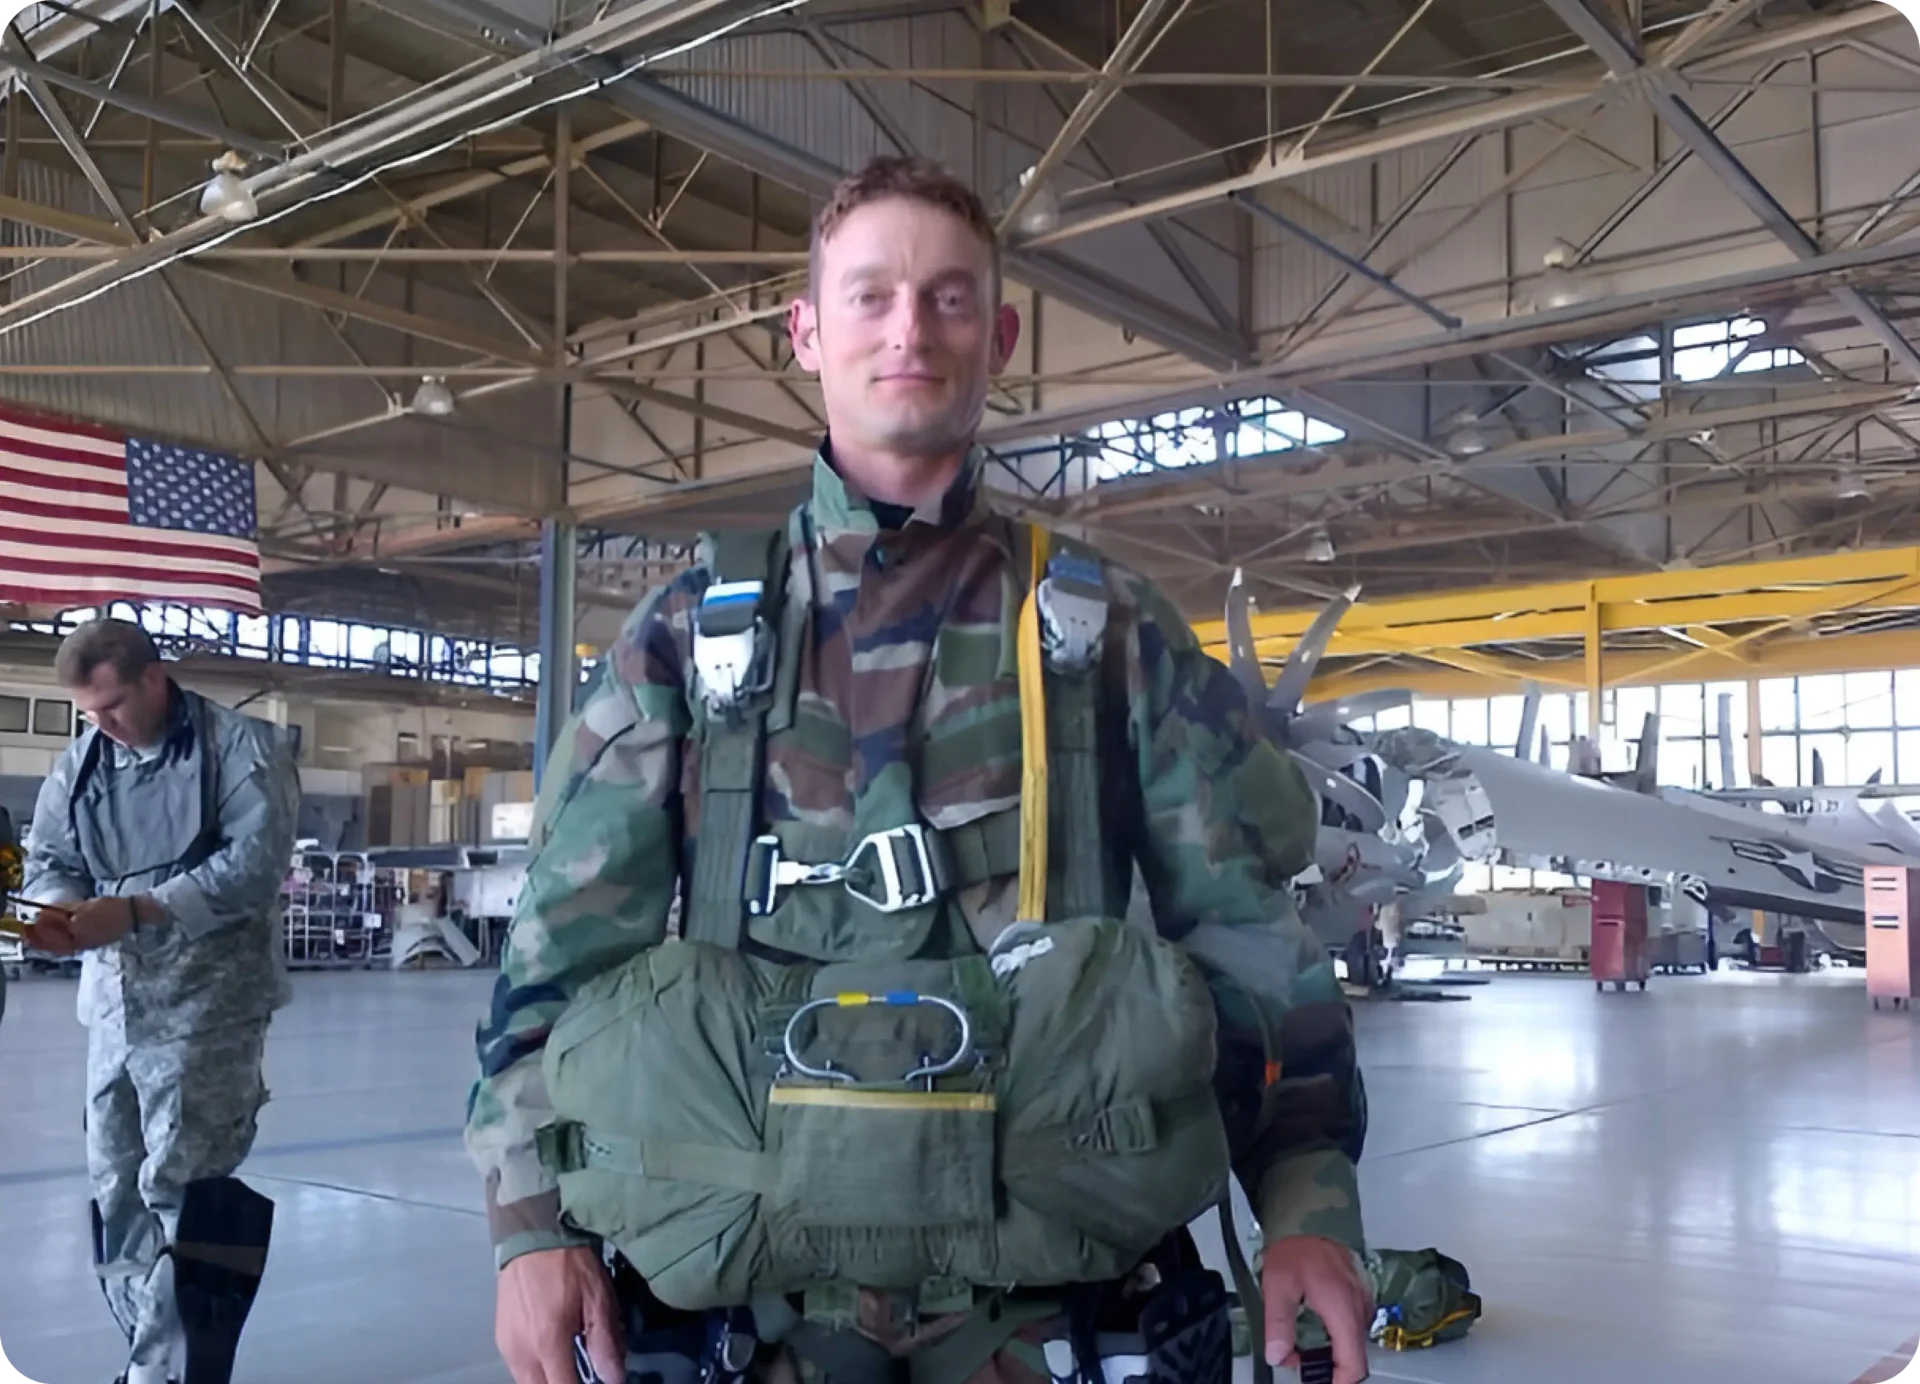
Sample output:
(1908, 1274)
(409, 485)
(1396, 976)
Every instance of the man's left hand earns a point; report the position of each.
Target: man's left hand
(86, 927)
(1305, 1270)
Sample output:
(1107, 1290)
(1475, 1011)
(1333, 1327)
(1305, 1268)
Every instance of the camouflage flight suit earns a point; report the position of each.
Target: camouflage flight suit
(907, 622)
(176, 1013)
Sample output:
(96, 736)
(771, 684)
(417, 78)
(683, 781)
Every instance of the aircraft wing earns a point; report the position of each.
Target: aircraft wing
(1578, 826)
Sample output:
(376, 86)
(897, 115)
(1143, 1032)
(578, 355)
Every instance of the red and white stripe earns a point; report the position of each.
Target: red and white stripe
(66, 537)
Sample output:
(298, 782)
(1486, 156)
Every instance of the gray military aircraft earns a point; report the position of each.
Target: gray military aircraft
(1723, 847)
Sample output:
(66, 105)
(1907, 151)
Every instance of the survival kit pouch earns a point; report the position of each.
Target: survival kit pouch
(1039, 1115)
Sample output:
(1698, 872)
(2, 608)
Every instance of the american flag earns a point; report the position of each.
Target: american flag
(88, 516)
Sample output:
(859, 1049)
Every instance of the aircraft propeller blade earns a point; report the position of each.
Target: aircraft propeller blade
(1243, 658)
(1546, 747)
(1291, 686)
(1819, 770)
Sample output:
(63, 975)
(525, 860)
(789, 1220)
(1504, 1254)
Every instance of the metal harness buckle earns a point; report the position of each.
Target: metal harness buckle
(731, 645)
(907, 862)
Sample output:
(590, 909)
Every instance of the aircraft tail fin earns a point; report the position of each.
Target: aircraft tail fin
(1529, 718)
(1646, 763)
(1726, 740)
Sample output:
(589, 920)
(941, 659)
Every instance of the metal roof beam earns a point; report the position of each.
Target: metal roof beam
(1621, 53)
(1474, 117)
(761, 152)
(1620, 313)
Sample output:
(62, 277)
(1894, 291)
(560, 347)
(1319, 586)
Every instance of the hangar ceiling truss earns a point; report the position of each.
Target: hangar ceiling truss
(1485, 249)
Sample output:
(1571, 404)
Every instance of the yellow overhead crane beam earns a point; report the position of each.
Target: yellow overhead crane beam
(1735, 622)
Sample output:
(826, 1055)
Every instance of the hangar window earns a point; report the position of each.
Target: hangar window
(53, 716)
(1203, 435)
(14, 715)
(1701, 351)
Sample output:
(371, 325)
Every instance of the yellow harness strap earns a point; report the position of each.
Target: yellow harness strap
(1033, 746)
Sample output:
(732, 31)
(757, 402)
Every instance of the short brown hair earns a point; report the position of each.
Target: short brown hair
(117, 644)
(916, 179)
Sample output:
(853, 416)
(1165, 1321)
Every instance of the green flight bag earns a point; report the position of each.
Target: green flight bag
(736, 1127)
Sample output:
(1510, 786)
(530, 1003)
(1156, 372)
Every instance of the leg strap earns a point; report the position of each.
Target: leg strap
(958, 1357)
(842, 1355)
(1247, 1288)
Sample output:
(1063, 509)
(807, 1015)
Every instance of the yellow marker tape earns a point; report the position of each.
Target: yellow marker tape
(981, 1102)
(852, 1001)
(1033, 747)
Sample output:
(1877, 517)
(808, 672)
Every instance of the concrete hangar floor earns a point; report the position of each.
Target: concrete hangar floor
(1716, 1180)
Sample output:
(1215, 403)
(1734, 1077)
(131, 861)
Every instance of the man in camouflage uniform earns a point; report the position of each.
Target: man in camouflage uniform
(903, 324)
(158, 848)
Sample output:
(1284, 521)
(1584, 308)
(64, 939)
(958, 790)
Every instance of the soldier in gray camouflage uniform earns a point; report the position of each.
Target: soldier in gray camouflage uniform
(158, 848)
(907, 708)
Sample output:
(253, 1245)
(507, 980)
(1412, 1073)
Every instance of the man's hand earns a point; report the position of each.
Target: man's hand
(85, 927)
(49, 931)
(548, 1297)
(1321, 1274)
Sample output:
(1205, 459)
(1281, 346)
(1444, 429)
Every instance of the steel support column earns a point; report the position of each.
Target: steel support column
(559, 668)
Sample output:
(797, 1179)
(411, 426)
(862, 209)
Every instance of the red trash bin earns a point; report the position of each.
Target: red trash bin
(1619, 950)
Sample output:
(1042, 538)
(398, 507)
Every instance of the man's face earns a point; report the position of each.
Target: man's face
(904, 330)
(132, 713)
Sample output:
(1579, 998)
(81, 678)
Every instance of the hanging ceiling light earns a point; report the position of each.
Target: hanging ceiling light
(1561, 285)
(225, 195)
(433, 398)
(1320, 547)
(1464, 438)
(1042, 211)
(1850, 485)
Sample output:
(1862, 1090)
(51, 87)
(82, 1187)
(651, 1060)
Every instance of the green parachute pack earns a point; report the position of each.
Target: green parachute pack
(1041, 1113)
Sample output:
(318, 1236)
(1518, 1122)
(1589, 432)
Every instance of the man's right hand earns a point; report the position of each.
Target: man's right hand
(51, 931)
(548, 1297)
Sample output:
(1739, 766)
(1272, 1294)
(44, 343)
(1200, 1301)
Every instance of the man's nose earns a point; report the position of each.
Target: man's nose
(907, 325)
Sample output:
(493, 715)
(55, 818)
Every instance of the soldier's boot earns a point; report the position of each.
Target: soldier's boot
(219, 1254)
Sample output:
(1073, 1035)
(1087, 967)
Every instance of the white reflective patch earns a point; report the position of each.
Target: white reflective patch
(1011, 960)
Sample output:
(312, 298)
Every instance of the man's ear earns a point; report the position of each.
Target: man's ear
(803, 330)
(1006, 335)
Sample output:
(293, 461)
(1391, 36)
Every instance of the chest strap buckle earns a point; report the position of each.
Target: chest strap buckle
(732, 647)
(1072, 601)
(891, 871)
